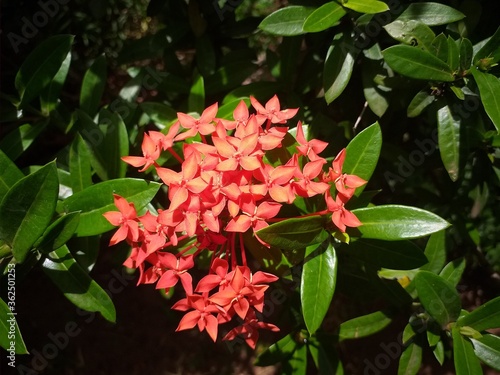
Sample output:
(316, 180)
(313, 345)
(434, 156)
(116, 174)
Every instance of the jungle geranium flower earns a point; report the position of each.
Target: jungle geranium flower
(272, 111)
(177, 268)
(126, 219)
(341, 217)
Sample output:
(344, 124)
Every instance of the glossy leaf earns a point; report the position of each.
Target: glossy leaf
(59, 232)
(487, 349)
(196, 99)
(363, 326)
(418, 64)
(278, 351)
(366, 6)
(438, 352)
(395, 222)
(296, 233)
(411, 32)
(449, 140)
(466, 53)
(439, 47)
(410, 360)
(76, 284)
(453, 55)
(317, 286)
(484, 317)
(286, 21)
(324, 17)
(489, 87)
(10, 174)
(438, 297)
(93, 85)
(376, 95)
(79, 165)
(324, 356)
(20, 138)
(159, 113)
(339, 65)
(431, 13)
(419, 102)
(27, 208)
(464, 358)
(297, 364)
(228, 77)
(453, 271)
(490, 50)
(49, 97)
(362, 154)
(435, 251)
(396, 255)
(9, 330)
(114, 145)
(98, 199)
(40, 67)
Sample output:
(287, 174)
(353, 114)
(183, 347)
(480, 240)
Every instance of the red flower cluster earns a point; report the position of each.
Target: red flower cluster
(224, 188)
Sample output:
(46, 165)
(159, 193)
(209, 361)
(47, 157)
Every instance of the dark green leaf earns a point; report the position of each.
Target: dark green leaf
(338, 68)
(98, 199)
(394, 222)
(396, 255)
(438, 297)
(375, 95)
(93, 85)
(439, 47)
(10, 174)
(59, 232)
(365, 325)
(366, 6)
(9, 330)
(228, 77)
(435, 251)
(297, 364)
(277, 352)
(205, 55)
(449, 140)
(438, 352)
(465, 54)
(114, 145)
(19, 139)
(259, 90)
(286, 21)
(464, 358)
(196, 99)
(490, 50)
(410, 360)
(50, 95)
(159, 113)
(79, 165)
(317, 285)
(324, 17)
(416, 63)
(487, 349)
(362, 154)
(430, 13)
(226, 111)
(489, 89)
(295, 233)
(76, 284)
(411, 32)
(41, 66)
(324, 356)
(484, 317)
(27, 208)
(453, 271)
(453, 55)
(419, 102)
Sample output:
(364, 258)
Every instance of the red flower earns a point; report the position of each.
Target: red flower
(203, 125)
(151, 152)
(176, 270)
(250, 329)
(341, 217)
(272, 111)
(201, 316)
(126, 219)
(311, 148)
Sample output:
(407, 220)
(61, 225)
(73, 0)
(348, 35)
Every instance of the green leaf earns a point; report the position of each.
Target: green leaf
(297, 364)
(317, 285)
(490, 50)
(438, 297)
(487, 349)
(435, 251)
(114, 145)
(93, 85)
(438, 352)
(286, 21)
(439, 47)
(411, 32)
(419, 102)
(453, 271)
(50, 94)
(196, 99)
(362, 154)
(10, 174)
(453, 55)
(226, 111)
(27, 208)
(9, 330)
(464, 358)
(79, 165)
(324, 356)
(397, 255)
(324, 17)
(259, 90)
(205, 55)
(59, 232)
(40, 67)
(277, 352)
(339, 65)
(366, 6)
(159, 113)
(76, 284)
(376, 95)
(449, 140)
(295, 233)
(489, 89)
(20, 138)
(466, 52)
(98, 199)
(395, 222)
(410, 360)
(484, 317)
(228, 76)
(418, 64)
(430, 13)
(365, 325)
